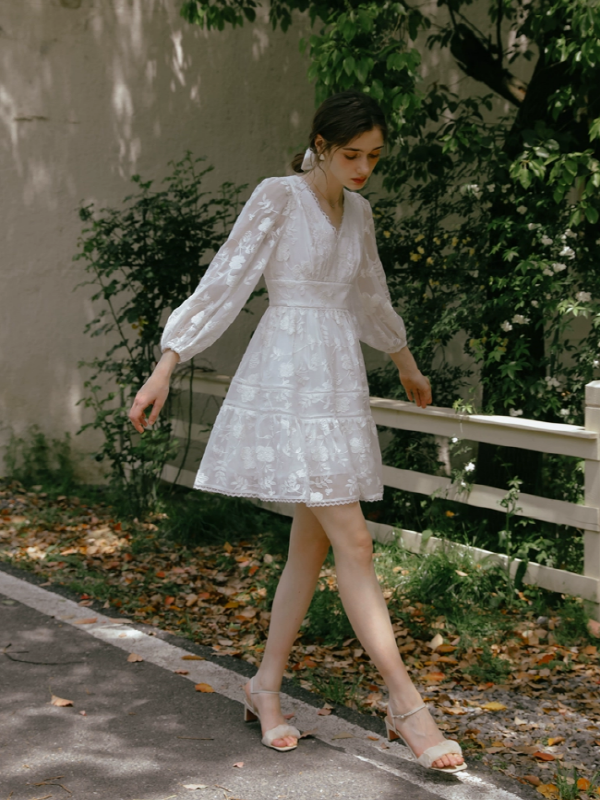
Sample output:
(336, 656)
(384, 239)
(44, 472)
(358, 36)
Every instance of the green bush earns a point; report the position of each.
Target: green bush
(34, 460)
(144, 259)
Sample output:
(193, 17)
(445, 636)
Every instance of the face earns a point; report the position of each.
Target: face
(353, 164)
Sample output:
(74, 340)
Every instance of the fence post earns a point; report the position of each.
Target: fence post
(591, 542)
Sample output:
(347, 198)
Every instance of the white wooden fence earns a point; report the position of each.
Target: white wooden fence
(545, 437)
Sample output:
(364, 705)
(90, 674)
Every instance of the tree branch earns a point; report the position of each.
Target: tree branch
(476, 61)
(499, 31)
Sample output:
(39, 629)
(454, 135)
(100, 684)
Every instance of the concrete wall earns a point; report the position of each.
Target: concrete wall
(92, 92)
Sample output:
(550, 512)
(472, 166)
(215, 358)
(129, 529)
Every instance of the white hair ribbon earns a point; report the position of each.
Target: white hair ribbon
(309, 161)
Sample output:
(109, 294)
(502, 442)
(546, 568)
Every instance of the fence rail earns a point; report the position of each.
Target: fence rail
(546, 437)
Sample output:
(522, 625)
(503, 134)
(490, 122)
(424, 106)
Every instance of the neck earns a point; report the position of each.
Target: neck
(328, 186)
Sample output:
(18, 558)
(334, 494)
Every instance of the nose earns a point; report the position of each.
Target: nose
(364, 168)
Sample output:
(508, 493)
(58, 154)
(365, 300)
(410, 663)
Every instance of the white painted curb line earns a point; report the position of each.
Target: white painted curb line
(229, 684)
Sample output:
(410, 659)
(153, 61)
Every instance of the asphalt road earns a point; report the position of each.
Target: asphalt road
(147, 733)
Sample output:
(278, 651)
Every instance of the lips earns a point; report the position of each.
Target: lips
(359, 180)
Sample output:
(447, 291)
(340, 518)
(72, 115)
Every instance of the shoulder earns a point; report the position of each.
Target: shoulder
(271, 194)
(362, 203)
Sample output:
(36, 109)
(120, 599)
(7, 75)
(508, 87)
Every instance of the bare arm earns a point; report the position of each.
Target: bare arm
(416, 385)
(154, 392)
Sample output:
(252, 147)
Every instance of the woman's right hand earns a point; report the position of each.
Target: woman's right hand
(153, 393)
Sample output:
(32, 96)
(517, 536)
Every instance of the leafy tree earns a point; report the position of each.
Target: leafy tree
(489, 224)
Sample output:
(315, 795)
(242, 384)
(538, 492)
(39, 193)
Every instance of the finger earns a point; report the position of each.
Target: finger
(138, 425)
(155, 412)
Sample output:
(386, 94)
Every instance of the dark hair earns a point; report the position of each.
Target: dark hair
(341, 118)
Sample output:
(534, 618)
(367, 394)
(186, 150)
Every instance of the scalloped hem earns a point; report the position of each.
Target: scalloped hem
(308, 504)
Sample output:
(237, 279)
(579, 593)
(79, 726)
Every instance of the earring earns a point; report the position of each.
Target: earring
(321, 157)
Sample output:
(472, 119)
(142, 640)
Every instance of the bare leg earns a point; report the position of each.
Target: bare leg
(365, 606)
(308, 548)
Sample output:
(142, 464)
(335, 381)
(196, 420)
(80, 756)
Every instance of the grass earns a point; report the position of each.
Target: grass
(476, 601)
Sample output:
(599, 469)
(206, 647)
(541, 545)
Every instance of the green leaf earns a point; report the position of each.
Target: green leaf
(595, 129)
(591, 214)
(349, 65)
(524, 177)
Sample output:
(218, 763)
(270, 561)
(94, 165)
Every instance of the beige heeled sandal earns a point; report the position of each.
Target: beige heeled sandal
(426, 759)
(251, 715)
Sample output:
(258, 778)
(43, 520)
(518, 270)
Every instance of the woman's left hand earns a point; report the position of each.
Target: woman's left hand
(417, 387)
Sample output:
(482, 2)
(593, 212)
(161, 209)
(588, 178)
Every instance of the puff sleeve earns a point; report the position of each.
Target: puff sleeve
(378, 324)
(232, 275)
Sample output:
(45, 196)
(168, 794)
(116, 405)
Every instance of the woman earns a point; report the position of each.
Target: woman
(296, 424)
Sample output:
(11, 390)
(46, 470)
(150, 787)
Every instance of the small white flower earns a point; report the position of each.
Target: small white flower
(515, 412)
(558, 267)
(551, 381)
(596, 364)
(533, 226)
(535, 303)
(470, 467)
(522, 209)
(265, 225)
(564, 412)
(547, 240)
(491, 187)
(506, 326)
(519, 319)
(548, 272)
(472, 189)
(567, 252)
(583, 297)
(454, 440)
(570, 233)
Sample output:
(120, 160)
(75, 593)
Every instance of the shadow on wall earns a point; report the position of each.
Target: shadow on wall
(91, 92)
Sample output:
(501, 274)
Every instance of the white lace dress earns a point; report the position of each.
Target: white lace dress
(296, 425)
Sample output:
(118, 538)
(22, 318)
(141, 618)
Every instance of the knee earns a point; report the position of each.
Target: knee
(357, 548)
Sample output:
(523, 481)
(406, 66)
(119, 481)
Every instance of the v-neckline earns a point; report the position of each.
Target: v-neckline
(324, 213)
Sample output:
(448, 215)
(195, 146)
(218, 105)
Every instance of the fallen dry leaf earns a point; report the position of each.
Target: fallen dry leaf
(239, 764)
(436, 642)
(594, 627)
(324, 712)
(343, 735)
(133, 657)
(195, 786)
(543, 756)
(373, 738)
(193, 658)
(204, 687)
(549, 790)
(60, 701)
(532, 779)
(83, 713)
(494, 705)
(555, 740)
(181, 671)
(88, 621)
(308, 733)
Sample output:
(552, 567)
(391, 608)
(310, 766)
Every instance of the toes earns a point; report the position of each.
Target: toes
(287, 741)
(451, 760)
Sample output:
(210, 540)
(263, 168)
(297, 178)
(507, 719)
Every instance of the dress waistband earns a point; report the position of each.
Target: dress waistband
(310, 294)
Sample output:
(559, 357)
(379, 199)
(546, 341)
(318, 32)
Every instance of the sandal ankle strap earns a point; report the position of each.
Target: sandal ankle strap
(259, 691)
(408, 713)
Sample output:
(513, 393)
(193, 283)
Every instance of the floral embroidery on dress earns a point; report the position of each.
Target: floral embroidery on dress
(296, 425)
